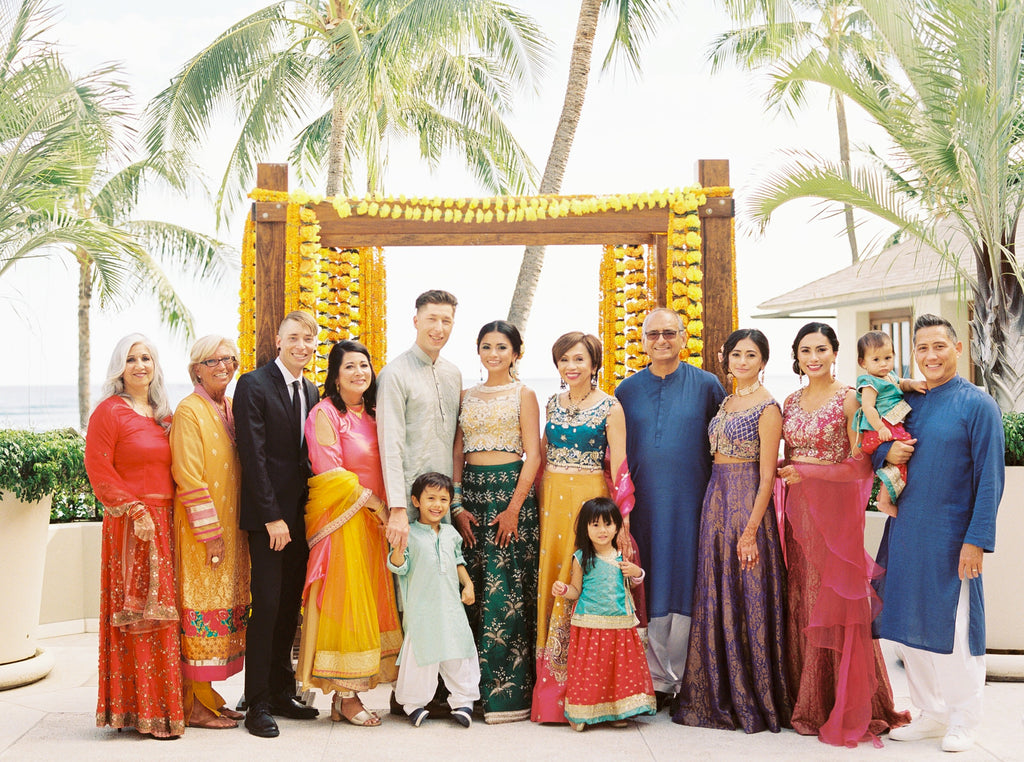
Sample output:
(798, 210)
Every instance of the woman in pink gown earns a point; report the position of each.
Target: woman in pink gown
(350, 630)
(842, 690)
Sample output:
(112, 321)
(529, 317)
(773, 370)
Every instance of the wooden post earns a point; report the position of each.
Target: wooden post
(719, 268)
(270, 253)
(660, 253)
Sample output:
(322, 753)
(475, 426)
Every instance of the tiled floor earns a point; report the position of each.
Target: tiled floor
(53, 719)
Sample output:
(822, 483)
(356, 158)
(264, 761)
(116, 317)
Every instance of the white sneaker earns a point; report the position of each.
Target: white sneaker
(921, 728)
(958, 738)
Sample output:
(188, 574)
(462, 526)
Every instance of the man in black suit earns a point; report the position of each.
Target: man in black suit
(270, 406)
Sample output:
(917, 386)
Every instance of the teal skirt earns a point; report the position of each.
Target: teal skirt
(504, 616)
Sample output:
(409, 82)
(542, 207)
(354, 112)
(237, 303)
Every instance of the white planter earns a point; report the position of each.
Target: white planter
(23, 533)
(874, 525)
(1004, 612)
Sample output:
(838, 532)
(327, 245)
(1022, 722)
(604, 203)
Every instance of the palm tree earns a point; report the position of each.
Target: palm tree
(46, 118)
(948, 89)
(635, 21)
(781, 33)
(58, 134)
(442, 71)
(110, 199)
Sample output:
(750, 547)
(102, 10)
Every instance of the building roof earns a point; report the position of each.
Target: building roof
(903, 271)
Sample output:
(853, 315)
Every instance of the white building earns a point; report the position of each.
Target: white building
(885, 293)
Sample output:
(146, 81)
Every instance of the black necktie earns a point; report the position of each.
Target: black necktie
(297, 407)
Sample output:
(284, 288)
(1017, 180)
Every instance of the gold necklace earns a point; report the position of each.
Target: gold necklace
(748, 390)
(573, 408)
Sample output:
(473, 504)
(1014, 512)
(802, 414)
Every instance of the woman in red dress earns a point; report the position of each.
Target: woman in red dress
(128, 458)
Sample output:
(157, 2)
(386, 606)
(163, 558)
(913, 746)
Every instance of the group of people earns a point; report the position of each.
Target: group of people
(648, 569)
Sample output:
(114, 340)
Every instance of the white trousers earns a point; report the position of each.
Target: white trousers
(667, 641)
(416, 685)
(948, 687)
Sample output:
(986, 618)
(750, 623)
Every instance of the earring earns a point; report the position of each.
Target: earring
(481, 374)
(760, 376)
(513, 370)
(563, 385)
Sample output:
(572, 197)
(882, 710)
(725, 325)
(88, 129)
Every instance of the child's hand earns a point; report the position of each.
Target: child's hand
(919, 385)
(559, 589)
(629, 569)
(468, 595)
(884, 435)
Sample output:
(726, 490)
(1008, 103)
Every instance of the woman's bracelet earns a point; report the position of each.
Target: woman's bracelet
(136, 511)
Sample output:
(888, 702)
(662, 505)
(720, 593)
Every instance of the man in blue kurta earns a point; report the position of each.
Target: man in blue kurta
(933, 549)
(668, 406)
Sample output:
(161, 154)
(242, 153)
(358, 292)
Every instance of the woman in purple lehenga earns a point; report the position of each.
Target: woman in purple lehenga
(735, 675)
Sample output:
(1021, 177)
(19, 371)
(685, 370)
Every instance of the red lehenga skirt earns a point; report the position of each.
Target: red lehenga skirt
(139, 643)
(608, 678)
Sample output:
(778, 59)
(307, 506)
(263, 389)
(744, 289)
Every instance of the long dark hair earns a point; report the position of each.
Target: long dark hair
(507, 330)
(602, 508)
(338, 352)
(824, 329)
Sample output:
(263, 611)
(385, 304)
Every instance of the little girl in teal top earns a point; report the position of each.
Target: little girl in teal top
(608, 679)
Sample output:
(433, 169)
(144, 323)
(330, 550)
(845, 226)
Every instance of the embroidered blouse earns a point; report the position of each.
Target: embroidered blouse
(889, 403)
(577, 440)
(490, 419)
(604, 601)
(735, 434)
(819, 433)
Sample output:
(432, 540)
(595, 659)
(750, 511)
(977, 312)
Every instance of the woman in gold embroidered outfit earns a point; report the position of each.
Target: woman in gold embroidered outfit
(211, 552)
(350, 629)
(497, 455)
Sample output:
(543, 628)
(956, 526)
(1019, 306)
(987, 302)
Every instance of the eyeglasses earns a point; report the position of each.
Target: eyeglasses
(213, 362)
(653, 335)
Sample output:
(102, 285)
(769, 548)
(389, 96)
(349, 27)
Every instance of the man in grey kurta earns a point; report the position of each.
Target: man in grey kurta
(933, 550)
(417, 410)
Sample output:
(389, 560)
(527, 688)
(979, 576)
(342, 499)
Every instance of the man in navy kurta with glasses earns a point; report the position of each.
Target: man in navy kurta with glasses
(668, 406)
(932, 596)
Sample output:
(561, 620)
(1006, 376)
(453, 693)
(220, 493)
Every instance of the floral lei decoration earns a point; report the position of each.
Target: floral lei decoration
(346, 289)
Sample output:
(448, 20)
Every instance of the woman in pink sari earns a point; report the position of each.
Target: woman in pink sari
(842, 690)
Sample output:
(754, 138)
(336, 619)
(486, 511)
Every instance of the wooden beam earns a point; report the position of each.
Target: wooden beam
(716, 234)
(270, 254)
(660, 285)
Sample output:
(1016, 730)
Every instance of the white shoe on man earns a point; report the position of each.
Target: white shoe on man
(957, 738)
(921, 728)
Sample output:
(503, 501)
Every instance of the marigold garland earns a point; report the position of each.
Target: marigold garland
(247, 300)
(346, 289)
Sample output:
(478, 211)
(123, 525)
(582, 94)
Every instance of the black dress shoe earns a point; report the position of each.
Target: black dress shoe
(284, 705)
(242, 704)
(396, 708)
(662, 698)
(259, 722)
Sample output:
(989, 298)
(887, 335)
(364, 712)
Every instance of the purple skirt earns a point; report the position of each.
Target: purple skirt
(735, 666)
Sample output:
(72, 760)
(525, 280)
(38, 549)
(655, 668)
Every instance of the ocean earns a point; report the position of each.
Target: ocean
(40, 408)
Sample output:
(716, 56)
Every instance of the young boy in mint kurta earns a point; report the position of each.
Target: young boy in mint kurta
(438, 638)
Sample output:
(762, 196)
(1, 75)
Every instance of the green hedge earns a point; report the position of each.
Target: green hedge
(1013, 427)
(35, 464)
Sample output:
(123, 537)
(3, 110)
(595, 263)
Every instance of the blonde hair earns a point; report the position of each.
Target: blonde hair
(114, 384)
(302, 318)
(204, 348)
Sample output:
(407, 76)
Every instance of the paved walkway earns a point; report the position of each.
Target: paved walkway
(54, 719)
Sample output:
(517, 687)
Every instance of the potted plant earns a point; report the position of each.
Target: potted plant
(1004, 616)
(37, 470)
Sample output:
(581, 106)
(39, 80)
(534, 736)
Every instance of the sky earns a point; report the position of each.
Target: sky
(637, 133)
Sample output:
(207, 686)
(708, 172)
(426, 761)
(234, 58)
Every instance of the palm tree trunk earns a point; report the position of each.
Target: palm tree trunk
(336, 146)
(558, 158)
(84, 302)
(844, 160)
